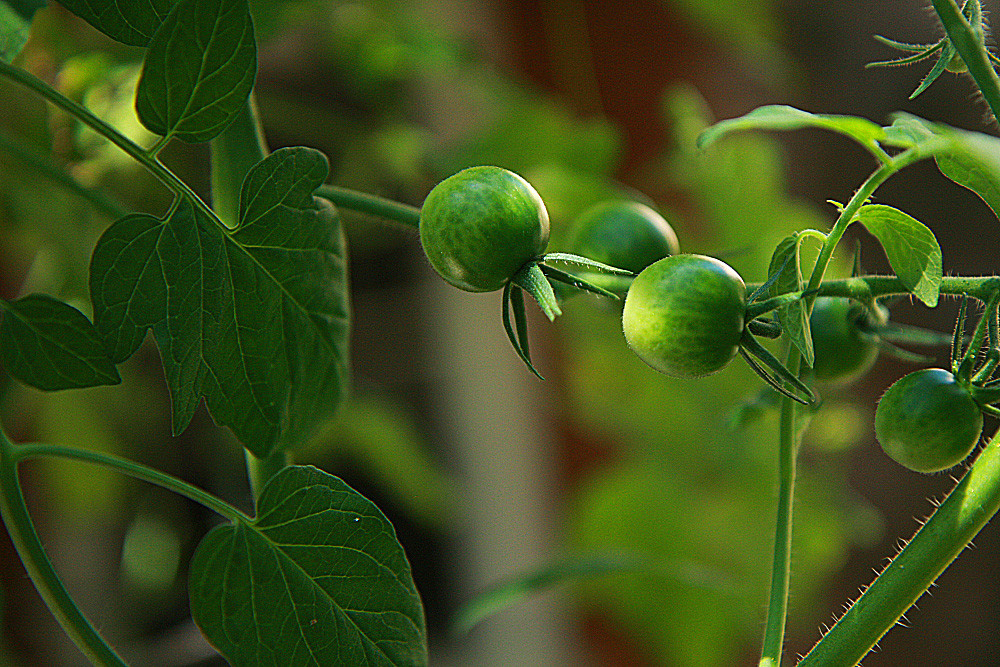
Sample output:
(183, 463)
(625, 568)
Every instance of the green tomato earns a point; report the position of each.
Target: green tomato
(481, 225)
(684, 315)
(927, 421)
(843, 350)
(625, 234)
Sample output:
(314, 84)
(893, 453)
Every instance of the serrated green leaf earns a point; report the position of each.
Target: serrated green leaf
(971, 159)
(317, 578)
(199, 70)
(793, 319)
(132, 22)
(910, 246)
(780, 117)
(51, 345)
(254, 320)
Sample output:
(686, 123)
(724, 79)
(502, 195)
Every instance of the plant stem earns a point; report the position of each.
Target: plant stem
(788, 447)
(25, 538)
(259, 471)
(972, 50)
(970, 505)
(777, 610)
(381, 207)
(85, 116)
(135, 470)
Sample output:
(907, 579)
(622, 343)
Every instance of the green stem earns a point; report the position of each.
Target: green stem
(380, 207)
(85, 116)
(29, 547)
(233, 153)
(973, 51)
(135, 470)
(970, 505)
(774, 630)
(259, 471)
(788, 447)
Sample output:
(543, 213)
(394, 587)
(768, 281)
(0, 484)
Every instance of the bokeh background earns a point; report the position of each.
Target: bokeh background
(486, 472)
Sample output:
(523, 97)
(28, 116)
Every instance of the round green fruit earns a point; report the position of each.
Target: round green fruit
(843, 349)
(684, 315)
(927, 421)
(624, 234)
(480, 226)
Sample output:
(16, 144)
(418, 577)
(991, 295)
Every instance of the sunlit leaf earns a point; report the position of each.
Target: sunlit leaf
(793, 319)
(317, 578)
(199, 69)
(780, 117)
(132, 22)
(971, 159)
(254, 320)
(49, 344)
(910, 246)
(15, 25)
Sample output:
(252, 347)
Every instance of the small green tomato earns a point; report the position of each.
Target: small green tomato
(843, 350)
(480, 226)
(927, 421)
(625, 234)
(684, 315)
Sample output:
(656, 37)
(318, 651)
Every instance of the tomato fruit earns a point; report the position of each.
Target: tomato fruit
(625, 234)
(684, 315)
(481, 225)
(844, 351)
(927, 421)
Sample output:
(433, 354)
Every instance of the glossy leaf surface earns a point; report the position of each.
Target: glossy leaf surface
(910, 246)
(132, 22)
(780, 117)
(255, 320)
(792, 317)
(199, 69)
(49, 344)
(318, 578)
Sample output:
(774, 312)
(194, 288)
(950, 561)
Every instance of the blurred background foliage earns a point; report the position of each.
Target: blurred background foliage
(588, 100)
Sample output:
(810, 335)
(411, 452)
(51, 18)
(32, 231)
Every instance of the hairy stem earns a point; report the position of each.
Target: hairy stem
(970, 505)
(25, 538)
(788, 447)
(969, 45)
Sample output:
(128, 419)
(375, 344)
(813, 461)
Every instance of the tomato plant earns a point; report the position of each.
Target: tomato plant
(238, 279)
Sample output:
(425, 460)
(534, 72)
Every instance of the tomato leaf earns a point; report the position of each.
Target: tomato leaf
(15, 26)
(780, 117)
(910, 246)
(318, 577)
(199, 70)
(970, 159)
(573, 568)
(51, 345)
(255, 319)
(786, 273)
(128, 22)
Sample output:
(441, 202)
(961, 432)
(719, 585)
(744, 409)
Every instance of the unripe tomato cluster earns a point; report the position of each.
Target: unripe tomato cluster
(686, 315)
